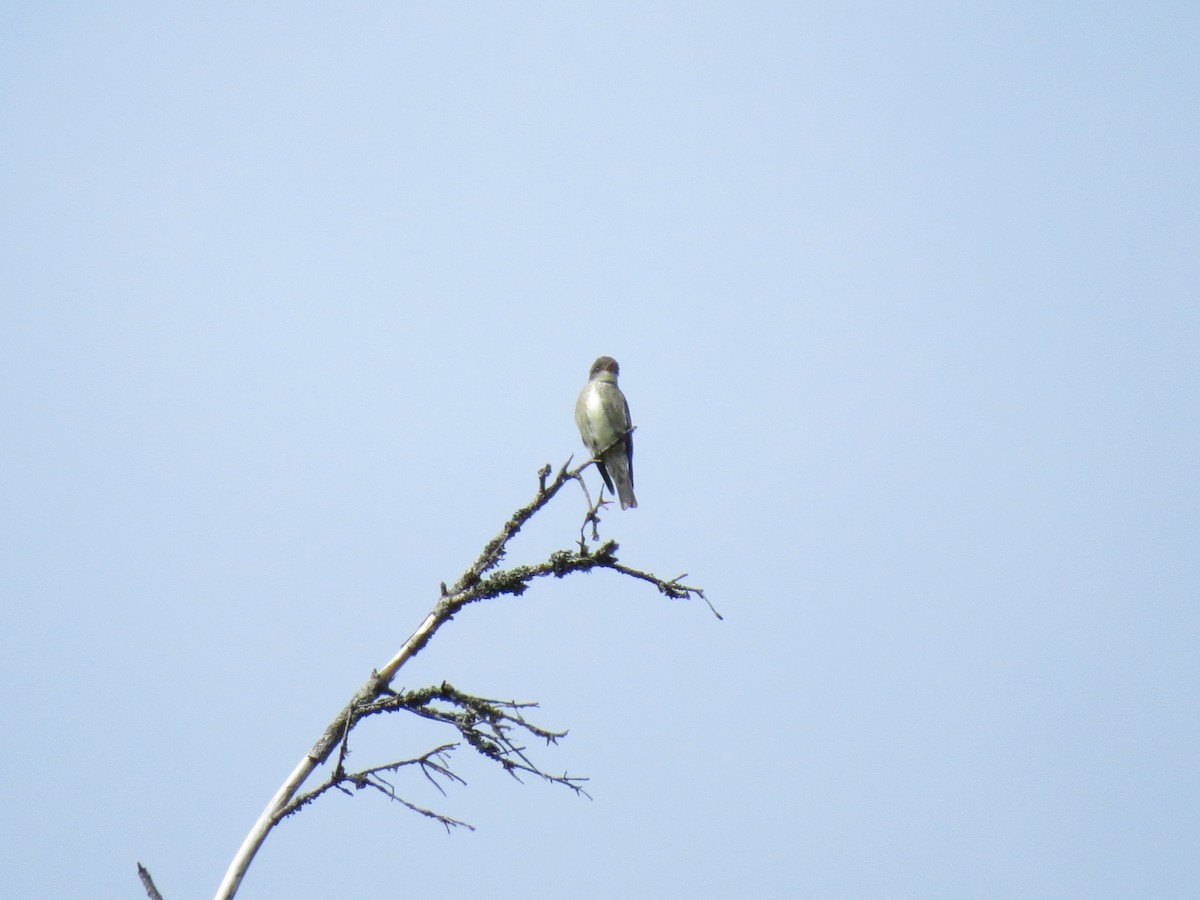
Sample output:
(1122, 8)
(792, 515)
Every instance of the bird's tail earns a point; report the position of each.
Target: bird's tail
(618, 468)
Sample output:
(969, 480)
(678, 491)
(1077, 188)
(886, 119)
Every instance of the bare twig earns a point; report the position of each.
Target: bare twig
(431, 763)
(488, 726)
(433, 760)
(148, 883)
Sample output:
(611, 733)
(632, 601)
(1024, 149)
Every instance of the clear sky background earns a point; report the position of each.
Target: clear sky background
(295, 300)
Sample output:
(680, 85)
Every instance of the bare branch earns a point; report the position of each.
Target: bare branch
(148, 883)
(486, 725)
(433, 761)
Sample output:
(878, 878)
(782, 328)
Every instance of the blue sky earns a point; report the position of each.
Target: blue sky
(297, 301)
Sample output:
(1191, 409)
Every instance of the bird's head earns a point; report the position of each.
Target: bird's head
(605, 365)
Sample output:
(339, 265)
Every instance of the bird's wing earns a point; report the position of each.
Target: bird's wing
(616, 410)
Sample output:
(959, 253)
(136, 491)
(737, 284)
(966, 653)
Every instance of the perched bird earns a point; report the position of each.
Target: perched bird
(603, 419)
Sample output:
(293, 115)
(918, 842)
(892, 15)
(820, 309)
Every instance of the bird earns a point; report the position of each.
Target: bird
(602, 414)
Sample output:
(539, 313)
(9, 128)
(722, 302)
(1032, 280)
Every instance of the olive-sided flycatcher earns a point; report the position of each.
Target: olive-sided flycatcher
(603, 419)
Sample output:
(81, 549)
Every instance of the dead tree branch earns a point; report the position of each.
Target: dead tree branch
(148, 883)
(490, 727)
